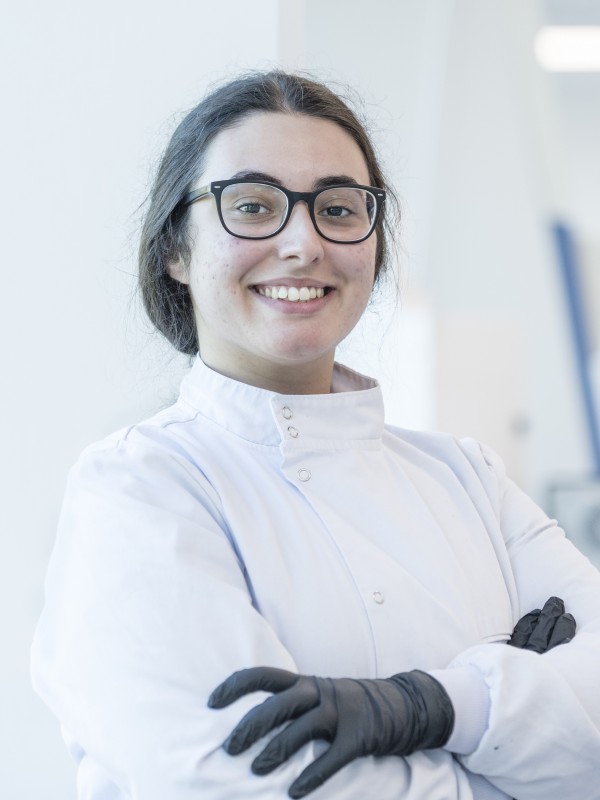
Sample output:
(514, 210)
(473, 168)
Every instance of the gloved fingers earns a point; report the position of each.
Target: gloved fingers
(564, 630)
(320, 770)
(270, 714)
(540, 637)
(255, 679)
(524, 628)
(542, 630)
(311, 726)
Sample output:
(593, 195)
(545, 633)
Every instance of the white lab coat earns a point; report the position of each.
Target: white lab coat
(241, 527)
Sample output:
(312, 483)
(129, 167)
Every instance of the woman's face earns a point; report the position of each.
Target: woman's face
(243, 333)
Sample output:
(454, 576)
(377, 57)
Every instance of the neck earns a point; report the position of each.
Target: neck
(312, 378)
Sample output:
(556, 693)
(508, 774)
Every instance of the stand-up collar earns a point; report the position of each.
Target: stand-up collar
(353, 411)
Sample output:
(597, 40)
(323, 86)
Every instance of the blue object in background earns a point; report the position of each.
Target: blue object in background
(571, 280)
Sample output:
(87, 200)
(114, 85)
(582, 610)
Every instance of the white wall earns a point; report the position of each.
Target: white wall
(491, 251)
(467, 126)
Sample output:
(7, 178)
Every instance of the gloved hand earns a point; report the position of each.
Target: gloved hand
(541, 630)
(393, 716)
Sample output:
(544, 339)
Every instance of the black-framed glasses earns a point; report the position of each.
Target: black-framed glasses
(346, 213)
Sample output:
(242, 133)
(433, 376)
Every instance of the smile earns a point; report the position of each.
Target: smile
(293, 294)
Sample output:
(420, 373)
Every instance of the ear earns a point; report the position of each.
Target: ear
(177, 271)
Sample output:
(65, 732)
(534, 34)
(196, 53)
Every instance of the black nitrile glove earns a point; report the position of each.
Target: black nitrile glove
(541, 630)
(393, 716)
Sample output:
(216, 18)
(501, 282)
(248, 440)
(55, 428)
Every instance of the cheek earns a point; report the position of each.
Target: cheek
(212, 262)
(229, 258)
(364, 280)
(218, 274)
(365, 266)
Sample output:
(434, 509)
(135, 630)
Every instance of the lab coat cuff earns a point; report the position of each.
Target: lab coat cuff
(470, 698)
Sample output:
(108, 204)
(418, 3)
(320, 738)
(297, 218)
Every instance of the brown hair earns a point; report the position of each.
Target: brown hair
(164, 237)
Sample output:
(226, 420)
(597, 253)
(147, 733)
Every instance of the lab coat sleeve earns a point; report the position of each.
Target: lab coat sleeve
(147, 610)
(542, 741)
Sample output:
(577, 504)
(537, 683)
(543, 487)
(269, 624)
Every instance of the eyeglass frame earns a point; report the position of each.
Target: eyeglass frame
(216, 189)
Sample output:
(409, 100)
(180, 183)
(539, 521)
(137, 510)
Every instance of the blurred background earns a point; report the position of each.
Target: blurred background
(494, 149)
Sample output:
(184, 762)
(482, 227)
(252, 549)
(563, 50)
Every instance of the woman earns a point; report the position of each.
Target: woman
(270, 519)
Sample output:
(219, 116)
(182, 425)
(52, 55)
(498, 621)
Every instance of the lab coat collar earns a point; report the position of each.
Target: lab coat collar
(352, 412)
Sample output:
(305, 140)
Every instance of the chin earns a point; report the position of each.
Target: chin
(307, 348)
(301, 354)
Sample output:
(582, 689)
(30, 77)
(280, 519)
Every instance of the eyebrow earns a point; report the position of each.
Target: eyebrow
(321, 183)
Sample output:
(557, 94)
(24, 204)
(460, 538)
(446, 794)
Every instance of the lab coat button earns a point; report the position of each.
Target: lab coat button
(293, 432)
(304, 474)
(287, 412)
(378, 598)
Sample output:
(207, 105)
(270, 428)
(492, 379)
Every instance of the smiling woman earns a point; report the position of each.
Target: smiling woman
(270, 529)
(245, 330)
(166, 233)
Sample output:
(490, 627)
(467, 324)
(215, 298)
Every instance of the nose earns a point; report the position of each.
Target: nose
(299, 239)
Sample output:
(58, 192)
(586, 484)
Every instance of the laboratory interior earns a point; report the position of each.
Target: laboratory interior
(487, 118)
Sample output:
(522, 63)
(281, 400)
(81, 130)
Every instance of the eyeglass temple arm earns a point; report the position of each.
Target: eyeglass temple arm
(197, 194)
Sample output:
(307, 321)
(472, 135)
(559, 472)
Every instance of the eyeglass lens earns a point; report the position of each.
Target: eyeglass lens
(344, 214)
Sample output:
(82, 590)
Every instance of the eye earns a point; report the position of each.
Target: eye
(340, 204)
(252, 207)
(335, 211)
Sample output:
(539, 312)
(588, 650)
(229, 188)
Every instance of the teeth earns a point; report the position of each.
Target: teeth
(291, 293)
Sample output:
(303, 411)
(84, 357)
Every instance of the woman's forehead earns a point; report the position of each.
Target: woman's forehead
(289, 146)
